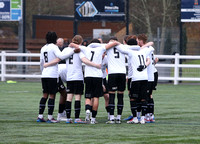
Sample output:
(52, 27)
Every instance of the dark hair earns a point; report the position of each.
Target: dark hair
(125, 38)
(113, 38)
(132, 42)
(51, 37)
(95, 41)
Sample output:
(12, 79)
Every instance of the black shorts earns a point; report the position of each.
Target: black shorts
(150, 86)
(61, 85)
(75, 87)
(116, 82)
(93, 87)
(129, 84)
(105, 83)
(138, 89)
(49, 85)
(155, 80)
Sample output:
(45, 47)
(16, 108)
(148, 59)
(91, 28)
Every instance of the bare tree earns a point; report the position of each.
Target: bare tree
(148, 15)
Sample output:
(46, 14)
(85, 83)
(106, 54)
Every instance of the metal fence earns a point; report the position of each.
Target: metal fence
(174, 68)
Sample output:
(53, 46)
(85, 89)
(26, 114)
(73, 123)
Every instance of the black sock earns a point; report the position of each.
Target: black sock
(77, 107)
(107, 109)
(139, 106)
(68, 108)
(88, 107)
(112, 103)
(42, 105)
(61, 108)
(144, 108)
(151, 106)
(51, 103)
(120, 103)
(133, 108)
(94, 113)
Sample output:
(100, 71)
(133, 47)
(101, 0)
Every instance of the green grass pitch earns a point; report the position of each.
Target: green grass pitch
(177, 114)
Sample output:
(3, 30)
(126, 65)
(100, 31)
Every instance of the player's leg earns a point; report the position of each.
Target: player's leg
(77, 108)
(68, 104)
(78, 91)
(88, 105)
(63, 95)
(128, 88)
(94, 109)
(112, 88)
(143, 96)
(139, 109)
(155, 80)
(68, 107)
(43, 101)
(120, 96)
(134, 95)
(42, 105)
(120, 105)
(53, 87)
(149, 101)
(96, 93)
(106, 96)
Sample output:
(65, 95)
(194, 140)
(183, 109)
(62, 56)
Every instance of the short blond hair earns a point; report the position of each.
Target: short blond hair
(77, 39)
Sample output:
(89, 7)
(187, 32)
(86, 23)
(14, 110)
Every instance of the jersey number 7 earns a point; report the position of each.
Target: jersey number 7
(92, 55)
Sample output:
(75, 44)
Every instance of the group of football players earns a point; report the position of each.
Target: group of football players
(102, 74)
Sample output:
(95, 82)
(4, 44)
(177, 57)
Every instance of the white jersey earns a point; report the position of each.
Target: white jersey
(130, 70)
(151, 67)
(94, 55)
(116, 61)
(74, 66)
(104, 66)
(155, 69)
(62, 71)
(137, 58)
(48, 53)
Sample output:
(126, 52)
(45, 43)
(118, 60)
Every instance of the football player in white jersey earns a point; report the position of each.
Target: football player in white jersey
(139, 61)
(142, 38)
(62, 70)
(75, 84)
(104, 66)
(116, 82)
(131, 40)
(155, 74)
(74, 78)
(93, 77)
(49, 76)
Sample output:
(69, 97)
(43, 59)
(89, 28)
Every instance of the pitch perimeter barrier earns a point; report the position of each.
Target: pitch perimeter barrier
(178, 67)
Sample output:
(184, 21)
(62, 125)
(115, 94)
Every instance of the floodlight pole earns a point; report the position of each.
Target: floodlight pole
(24, 34)
(24, 27)
(181, 41)
(127, 17)
(75, 24)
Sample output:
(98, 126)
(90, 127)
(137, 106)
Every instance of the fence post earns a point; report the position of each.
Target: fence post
(3, 66)
(176, 69)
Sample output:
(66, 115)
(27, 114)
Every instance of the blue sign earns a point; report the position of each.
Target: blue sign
(10, 10)
(16, 14)
(190, 11)
(111, 10)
